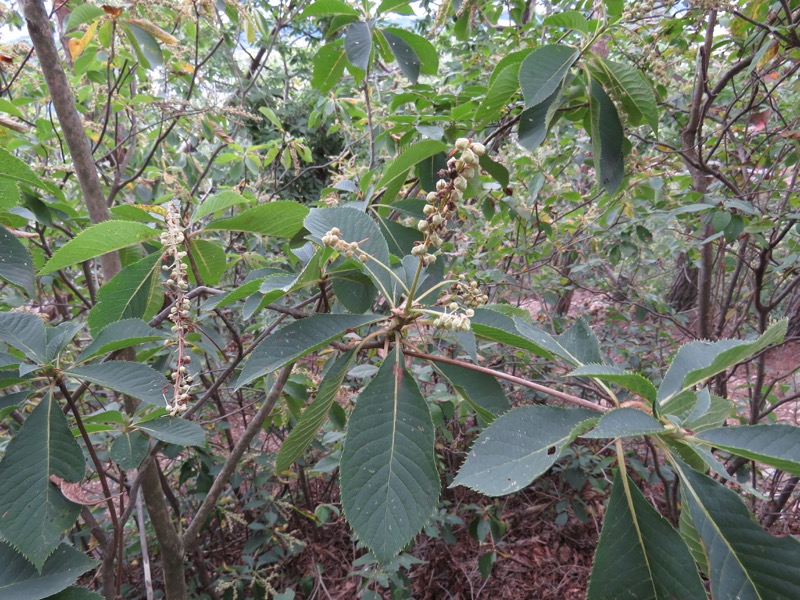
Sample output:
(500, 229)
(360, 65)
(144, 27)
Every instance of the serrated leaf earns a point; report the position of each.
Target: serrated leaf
(630, 381)
(776, 444)
(174, 430)
(500, 92)
(423, 49)
(404, 54)
(296, 340)
(216, 203)
(16, 264)
(122, 334)
(634, 92)
(396, 172)
(34, 512)
(145, 45)
(535, 121)
(389, 483)
(354, 290)
(328, 8)
(709, 411)
(356, 227)
(568, 19)
(19, 580)
(520, 446)
(137, 380)
(59, 337)
(511, 58)
(129, 450)
(580, 343)
(13, 168)
(481, 391)
(543, 70)
(692, 540)
(607, 140)
(135, 292)
(624, 422)
(314, 416)
(744, 560)
(640, 555)
(75, 593)
(498, 171)
(26, 332)
(210, 260)
(358, 44)
(697, 361)
(282, 218)
(97, 240)
(498, 327)
(329, 63)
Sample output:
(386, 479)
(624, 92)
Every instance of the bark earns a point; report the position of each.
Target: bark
(793, 312)
(39, 29)
(682, 294)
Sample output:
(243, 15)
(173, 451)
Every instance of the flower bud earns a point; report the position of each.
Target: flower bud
(462, 144)
(469, 158)
(478, 149)
(460, 183)
(428, 210)
(431, 197)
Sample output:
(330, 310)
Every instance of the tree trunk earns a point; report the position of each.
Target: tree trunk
(793, 313)
(682, 294)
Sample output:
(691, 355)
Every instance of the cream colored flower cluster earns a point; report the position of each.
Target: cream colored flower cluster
(444, 201)
(334, 239)
(179, 314)
(454, 320)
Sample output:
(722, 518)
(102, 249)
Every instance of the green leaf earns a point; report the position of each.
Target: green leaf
(519, 447)
(776, 444)
(395, 173)
(697, 361)
(145, 45)
(282, 219)
(35, 513)
(76, 593)
(296, 340)
(328, 8)
(568, 19)
(579, 341)
(640, 555)
(122, 334)
(389, 482)
(709, 411)
(209, 257)
(543, 70)
(134, 379)
(356, 227)
(423, 49)
(692, 540)
(632, 382)
(404, 54)
(510, 58)
(354, 290)
(358, 44)
(129, 450)
(97, 240)
(624, 422)
(607, 140)
(499, 95)
(174, 430)
(481, 391)
(16, 264)
(498, 171)
(13, 168)
(314, 416)
(59, 337)
(535, 121)
(26, 332)
(744, 560)
(216, 203)
(629, 85)
(329, 63)
(84, 13)
(498, 327)
(135, 292)
(20, 580)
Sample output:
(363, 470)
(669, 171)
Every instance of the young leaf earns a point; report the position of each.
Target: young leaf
(282, 219)
(389, 482)
(314, 416)
(328, 8)
(568, 19)
(543, 70)
(97, 240)
(481, 391)
(624, 422)
(579, 341)
(630, 381)
(25, 332)
(498, 327)
(500, 93)
(709, 411)
(777, 444)
(133, 293)
(122, 334)
(216, 203)
(607, 140)
(744, 560)
(358, 44)
(35, 513)
(423, 49)
(519, 447)
(174, 431)
(329, 64)
(134, 379)
(396, 172)
(640, 555)
(16, 264)
(296, 340)
(20, 580)
(697, 361)
(58, 337)
(356, 227)
(404, 54)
